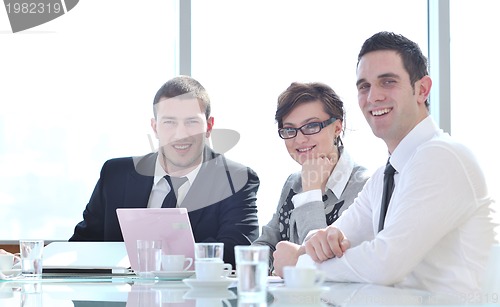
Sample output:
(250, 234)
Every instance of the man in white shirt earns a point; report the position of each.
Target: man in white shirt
(438, 229)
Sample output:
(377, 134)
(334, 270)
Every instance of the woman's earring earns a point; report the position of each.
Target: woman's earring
(339, 143)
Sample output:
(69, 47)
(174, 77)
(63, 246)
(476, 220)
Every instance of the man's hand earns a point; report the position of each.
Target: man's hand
(286, 254)
(327, 243)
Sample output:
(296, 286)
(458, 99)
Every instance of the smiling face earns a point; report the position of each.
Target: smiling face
(181, 128)
(391, 105)
(303, 147)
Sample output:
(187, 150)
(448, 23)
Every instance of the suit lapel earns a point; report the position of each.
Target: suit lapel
(139, 182)
(203, 187)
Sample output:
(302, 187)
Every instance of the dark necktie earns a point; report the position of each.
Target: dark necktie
(387, 193)
(170, 200)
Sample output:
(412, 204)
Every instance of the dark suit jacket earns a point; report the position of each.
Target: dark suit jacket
(220, 202)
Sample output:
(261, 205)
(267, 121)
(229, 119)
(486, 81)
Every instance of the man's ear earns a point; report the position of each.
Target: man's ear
(153, 126)
(210, 126)
(424, 89)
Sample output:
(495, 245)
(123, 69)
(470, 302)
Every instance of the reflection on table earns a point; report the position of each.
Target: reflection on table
(134, 292)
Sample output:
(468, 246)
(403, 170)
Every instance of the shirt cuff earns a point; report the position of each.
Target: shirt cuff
(305, 261)
(310, 234)
(307, 197)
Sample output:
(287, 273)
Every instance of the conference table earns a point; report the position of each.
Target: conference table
(86, 290)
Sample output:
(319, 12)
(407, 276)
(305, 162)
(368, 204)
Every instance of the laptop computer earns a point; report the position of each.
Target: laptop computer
(170, 225)
(86, 257)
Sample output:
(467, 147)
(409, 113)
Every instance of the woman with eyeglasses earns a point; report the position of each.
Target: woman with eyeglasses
(310, 119)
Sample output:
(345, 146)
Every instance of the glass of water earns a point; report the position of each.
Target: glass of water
(252, 265)
(31, 258)
(210, 252)
(148, 257)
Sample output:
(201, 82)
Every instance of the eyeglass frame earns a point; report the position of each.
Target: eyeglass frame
(321, 125)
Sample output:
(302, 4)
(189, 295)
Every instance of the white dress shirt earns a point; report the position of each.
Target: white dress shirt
(438, 230)
(161, 187)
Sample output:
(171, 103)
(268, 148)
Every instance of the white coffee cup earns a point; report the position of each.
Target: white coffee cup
(212, 270)
(175, 263)
(302, 277)
(6, 262)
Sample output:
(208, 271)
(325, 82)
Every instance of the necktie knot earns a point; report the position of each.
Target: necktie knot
(175, 183)
(389, 169)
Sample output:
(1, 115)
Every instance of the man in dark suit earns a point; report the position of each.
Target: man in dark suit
(219, 194)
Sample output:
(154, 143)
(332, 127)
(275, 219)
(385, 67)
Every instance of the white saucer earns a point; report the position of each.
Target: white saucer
(217, 284)
(176, 275)
(210, 293)
(10, 274)
(282, 293)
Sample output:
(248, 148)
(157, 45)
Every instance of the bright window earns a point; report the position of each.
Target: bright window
(474, 103)
(247, 52)
(75, 92)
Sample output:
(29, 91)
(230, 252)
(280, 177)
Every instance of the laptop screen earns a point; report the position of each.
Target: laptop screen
(171, 225)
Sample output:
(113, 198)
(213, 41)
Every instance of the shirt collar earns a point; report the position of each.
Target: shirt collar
(421, 133)
(340, 176)
(160, 172)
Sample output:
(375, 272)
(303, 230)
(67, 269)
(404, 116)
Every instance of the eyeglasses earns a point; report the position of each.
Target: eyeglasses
(307, 129)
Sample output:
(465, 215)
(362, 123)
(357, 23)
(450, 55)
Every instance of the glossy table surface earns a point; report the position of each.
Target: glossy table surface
(84, 290)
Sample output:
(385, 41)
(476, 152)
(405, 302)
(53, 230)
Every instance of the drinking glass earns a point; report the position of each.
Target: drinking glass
(31, 258)
(252, 266)
(148, 257)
